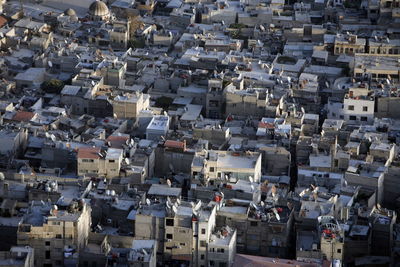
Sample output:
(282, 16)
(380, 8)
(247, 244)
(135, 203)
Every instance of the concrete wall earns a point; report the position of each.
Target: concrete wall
(388, 107)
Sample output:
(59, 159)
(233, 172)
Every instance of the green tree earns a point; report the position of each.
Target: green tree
(52, 86)
(163, 102)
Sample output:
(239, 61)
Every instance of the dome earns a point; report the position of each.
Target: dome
(70, 12)
(98, 9)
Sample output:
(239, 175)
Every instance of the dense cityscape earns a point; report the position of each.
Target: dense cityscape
(219, 133)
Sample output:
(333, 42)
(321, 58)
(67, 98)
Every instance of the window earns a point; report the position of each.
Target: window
(182, 244)
(211, 169)
(87, 160)
(253, 223)
(341, 117)
(365, 108)
(351, 107)
(339, 250)
(202, 243)
(364, 119)
(220, 250)
(59, 263)
(170, 222)
(47, 254)
(212, 263)
(353, 118)
(56, 223)
(213, 103)
(47, 243)
(203, 231)
(58, 236)
(170, 236)
(111, 160)
(202, 256)
(223, 264)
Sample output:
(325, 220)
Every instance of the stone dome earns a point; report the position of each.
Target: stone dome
(98, 9)
(70, 12)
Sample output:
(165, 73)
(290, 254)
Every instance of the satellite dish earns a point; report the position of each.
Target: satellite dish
(178, 201)
(169, 182)
(174, 209)
(198, 206)
(251, 179)
(277, 216)
(50, 64)
(148, 202)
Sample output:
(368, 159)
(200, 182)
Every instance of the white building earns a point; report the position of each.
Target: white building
(157, 127)
(219, 166)
(358, 106)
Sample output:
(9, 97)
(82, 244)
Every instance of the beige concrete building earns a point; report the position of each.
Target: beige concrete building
(119, 35)
(56, 234)
(101, 163)
(130, 105)
(383, 46)
(377, 66)
(247, 102)
(349, 44)
(332, 238)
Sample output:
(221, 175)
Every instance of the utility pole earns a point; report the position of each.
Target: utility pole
(21, 8)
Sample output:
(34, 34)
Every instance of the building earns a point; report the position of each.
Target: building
(376, 66)
(129, 106)
(349, 44)
(55, 233)
(359, 106)
(215, 167)
(158, 127)
(99, 162)
(143, 254)
(246, 102)
(98, 11)
(332, 238)
(17, 257)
